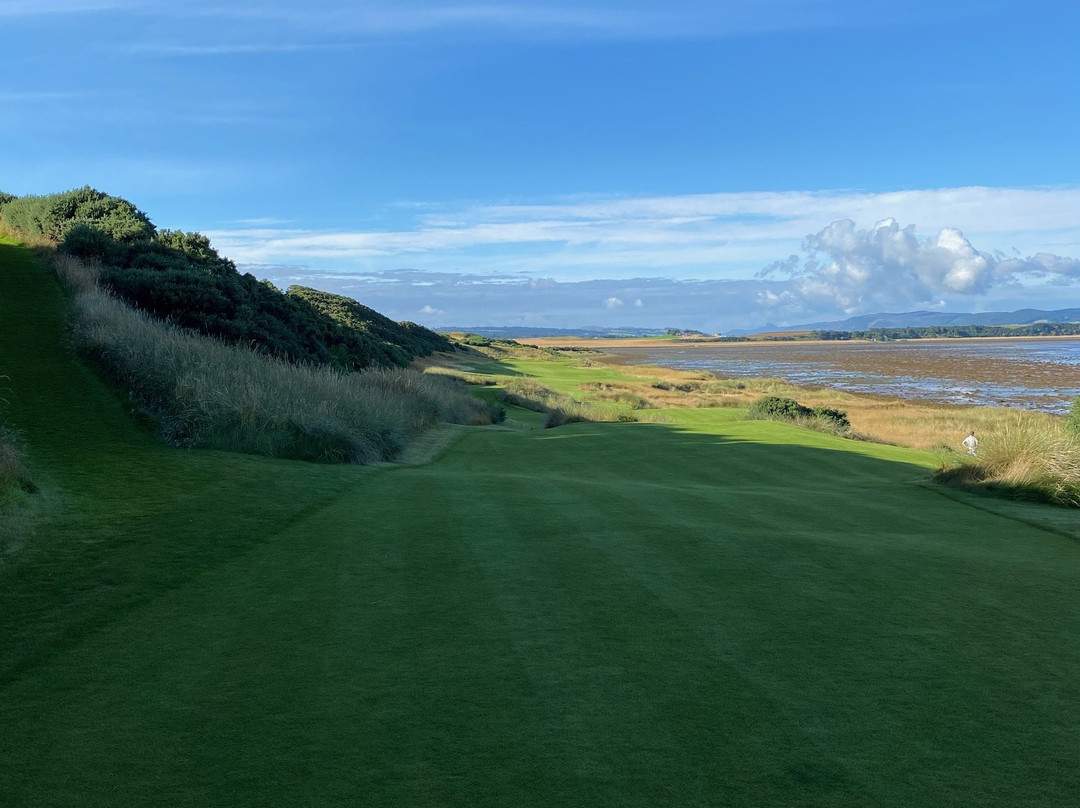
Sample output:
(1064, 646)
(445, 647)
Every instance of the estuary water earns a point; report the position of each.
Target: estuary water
(1032, 373)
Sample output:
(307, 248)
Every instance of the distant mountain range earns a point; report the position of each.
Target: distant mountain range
(915, 319)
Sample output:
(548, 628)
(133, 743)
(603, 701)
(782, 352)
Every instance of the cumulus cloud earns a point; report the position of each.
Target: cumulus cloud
(613, 303)
(859, 270)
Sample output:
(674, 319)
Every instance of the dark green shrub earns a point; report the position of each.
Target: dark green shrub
(179, 277)
(52, 216)
(777, 407)
(1073, 418)
(837, 417)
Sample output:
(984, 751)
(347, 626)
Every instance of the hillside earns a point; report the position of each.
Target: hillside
(179, 277)
(705, 611)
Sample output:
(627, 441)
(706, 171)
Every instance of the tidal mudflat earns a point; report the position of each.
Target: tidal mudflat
(1032, 373)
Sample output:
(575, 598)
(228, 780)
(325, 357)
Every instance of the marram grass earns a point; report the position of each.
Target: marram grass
(1038, 459)
(208, 394)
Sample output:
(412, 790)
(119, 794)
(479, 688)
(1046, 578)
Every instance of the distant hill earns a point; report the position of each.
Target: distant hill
(916, 319)
(523, 332)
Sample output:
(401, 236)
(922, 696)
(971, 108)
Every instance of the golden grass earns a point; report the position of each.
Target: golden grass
(918, 424)
(1025, 457)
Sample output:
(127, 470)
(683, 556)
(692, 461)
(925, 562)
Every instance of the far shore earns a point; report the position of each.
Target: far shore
(614, 343)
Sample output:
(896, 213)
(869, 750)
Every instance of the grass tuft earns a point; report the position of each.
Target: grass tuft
(560, 407)
(1025, 458)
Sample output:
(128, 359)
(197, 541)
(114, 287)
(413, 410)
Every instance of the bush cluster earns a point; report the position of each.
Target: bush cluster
(177, 276)
(52, 216)
(778, 408)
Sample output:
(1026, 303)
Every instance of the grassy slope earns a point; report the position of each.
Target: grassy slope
(704, 612)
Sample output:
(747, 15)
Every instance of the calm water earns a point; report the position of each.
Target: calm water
(1034, 374)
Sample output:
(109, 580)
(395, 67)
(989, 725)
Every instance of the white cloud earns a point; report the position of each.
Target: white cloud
(688, 236)
(613, 303)
(856, 270)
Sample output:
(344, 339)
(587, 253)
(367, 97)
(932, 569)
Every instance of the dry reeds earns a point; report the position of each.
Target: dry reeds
(205, 393)
(1025, 457)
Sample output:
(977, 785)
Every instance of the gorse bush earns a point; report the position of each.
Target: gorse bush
(778, 408)
(52, 216)
(179, 277)
(208, 394)
(1027, 458)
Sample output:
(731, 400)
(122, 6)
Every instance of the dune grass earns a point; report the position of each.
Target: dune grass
(1025, 458)
(560, 408)
(710, 611)
(208, 394)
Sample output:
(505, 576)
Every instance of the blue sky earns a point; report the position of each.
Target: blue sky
(709, 165)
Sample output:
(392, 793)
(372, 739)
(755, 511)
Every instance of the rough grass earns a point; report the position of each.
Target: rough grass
(561, 408)
(1024, 458)
(207, 394)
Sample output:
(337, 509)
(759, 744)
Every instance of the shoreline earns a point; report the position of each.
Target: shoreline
(603, 343)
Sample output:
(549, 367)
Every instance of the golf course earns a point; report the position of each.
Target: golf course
(699, 611)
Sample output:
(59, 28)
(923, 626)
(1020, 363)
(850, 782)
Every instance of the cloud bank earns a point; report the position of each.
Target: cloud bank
(855, 270)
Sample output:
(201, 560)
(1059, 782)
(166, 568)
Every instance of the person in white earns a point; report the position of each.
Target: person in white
(971, 443)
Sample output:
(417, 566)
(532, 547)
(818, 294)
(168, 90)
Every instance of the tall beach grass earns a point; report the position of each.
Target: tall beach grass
(1025, 457)
(208, 394)
(561, 408)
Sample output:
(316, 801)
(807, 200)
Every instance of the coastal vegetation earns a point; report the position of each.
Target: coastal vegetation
(216, 359)
(822, 418)
(179, 277)
(1024, 458)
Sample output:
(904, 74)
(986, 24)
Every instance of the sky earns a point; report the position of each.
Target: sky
(713, 165)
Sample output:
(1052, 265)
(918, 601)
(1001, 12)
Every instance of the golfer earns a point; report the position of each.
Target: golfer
(971, 443)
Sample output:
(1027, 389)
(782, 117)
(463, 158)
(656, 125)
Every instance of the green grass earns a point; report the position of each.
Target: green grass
(706, 612)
